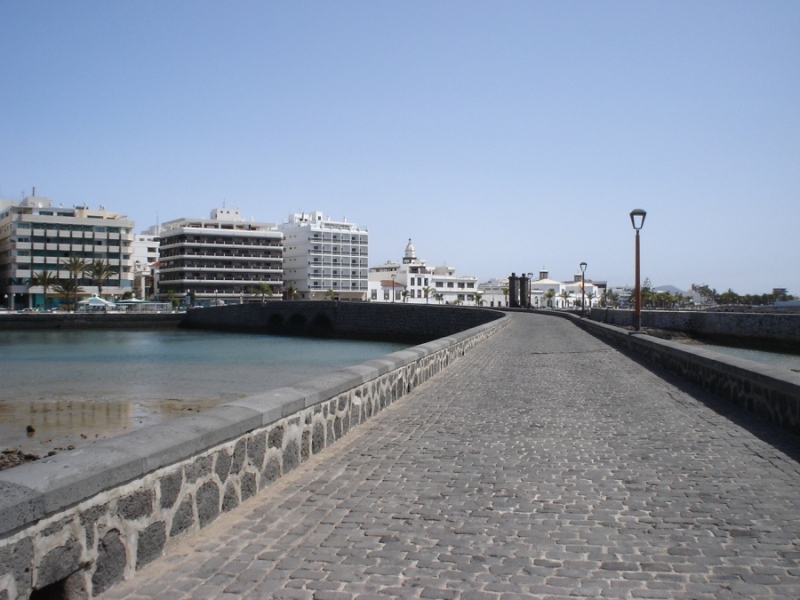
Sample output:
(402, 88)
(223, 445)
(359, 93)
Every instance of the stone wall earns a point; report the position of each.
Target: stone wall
(411, 323)
(755, 328)
(22, 321)
(75, 524)
(771, 393)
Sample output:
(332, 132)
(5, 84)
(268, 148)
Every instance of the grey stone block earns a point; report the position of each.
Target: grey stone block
(207, 503)
(151, 543)
(136, 505)
(59, 563)
(110, 565)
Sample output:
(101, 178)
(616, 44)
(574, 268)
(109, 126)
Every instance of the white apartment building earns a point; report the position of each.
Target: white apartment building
(223, 259)
(325, 258)
(35, 235)
(414, 281)
(545, 292)
(144, 256)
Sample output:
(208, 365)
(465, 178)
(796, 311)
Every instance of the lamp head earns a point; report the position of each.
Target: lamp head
(637, 218)
(583, 267)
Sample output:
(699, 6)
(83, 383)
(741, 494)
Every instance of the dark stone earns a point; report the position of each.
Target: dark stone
(337, 428)
(88, 519)
(56, 527)
(329, 439)
(291, 456)
(342, 403)
(170, 488)
(256, 449)
(199, 469)
(137, 505)
(249, 487)
(207, 503)
(318, 438)
(110, 564)
(231, 499)
(305, 450)
(59, 563)
(151, 544)
(17, 559)
(238, 456)
(223, 466)
(276, 437)
(183, 518)
(272, 471)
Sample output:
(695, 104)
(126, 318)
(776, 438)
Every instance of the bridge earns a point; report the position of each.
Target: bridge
(547, 464)
(542, 463)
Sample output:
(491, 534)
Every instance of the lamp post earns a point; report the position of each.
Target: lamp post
(637, 220)
(583, 286)
(394, 289)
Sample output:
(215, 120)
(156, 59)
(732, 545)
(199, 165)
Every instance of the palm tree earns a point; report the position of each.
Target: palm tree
(76, 267)
(478, 297)
(99, 271)
(565, 297)
(264, 290)
(550, 294)
(46, 279)
(68, 288)
(505, 294)
(404, 294)
(291, 291)
(427, 292)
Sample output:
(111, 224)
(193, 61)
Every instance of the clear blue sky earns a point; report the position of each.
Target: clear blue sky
(501, 135)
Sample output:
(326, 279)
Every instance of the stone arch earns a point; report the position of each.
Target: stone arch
(321, 326)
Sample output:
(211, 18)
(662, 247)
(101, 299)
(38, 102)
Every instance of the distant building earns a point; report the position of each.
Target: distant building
(144, 259)
(412, 280)
(546, 292)
(35, 236)
(324, 258)
(219, 260)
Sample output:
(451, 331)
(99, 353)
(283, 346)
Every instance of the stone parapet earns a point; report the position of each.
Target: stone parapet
(769, 392)
(75, 524)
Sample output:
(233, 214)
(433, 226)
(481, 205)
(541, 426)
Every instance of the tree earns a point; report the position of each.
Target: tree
(427, 292)
(565, 297)
(291, 291)
(505, 294)
(76, 267)
(46, 279)
(68, 288)
(404, 294)
(264, 290)
(329, 294)
(550, 294)
(478, 297)
(589, 297)
(99, 271)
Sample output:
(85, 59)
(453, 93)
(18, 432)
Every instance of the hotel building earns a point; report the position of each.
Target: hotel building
(223, 259)
(324, 258)
(35, 235)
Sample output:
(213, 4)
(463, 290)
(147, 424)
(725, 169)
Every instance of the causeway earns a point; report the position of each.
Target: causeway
(546, 464)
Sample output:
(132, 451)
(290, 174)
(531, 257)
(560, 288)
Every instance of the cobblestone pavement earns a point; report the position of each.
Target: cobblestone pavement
(545, 465)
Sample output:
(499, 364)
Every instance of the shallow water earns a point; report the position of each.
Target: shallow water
(776, 359)
(77, 386)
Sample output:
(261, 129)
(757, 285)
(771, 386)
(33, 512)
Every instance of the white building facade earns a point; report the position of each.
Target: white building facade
(144, 258)
(413, 281)
(325, 259)
(37, 236)
(223, 259)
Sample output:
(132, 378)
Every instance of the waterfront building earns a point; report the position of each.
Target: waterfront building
(412, 280)
(223, 259)
(37, 236)
(144, 258)
(325, 258)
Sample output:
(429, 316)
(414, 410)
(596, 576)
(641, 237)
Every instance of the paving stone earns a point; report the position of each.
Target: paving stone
(544, 464)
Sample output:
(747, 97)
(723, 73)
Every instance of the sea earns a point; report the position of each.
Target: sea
(61, 389)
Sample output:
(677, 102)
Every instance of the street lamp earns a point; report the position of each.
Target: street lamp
(637, 220)
(583, 286)
(394, 289)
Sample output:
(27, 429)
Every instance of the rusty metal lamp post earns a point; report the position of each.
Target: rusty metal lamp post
(637, 220)
(583, 287)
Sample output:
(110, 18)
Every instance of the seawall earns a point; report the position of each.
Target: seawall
(75, 524)
(34, 321)
(755, 329)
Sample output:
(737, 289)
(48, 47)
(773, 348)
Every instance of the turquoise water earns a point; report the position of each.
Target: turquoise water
(76, 386)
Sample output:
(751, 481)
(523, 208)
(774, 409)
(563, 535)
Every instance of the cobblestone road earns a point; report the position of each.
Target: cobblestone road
(545, 465)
